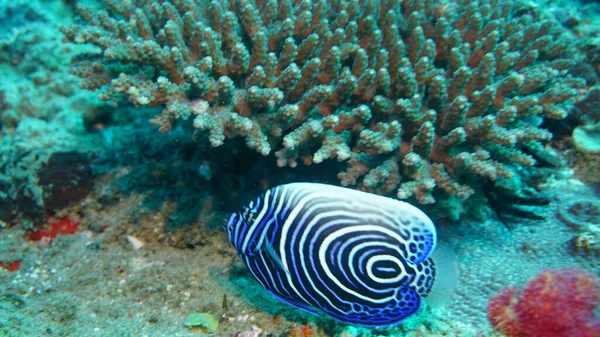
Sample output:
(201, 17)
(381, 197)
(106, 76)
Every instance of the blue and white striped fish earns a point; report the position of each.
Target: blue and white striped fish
(361, 258)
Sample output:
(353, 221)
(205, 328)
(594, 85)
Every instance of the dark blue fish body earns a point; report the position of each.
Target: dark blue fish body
(361, 258)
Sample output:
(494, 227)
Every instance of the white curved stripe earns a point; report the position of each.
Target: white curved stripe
(344, 215)
(347, 246)
(236, 231)
(372, 208)
(309, 273)
(386, 258)
(264, 262)
(371, 289)
(391, 258)
(297, 207)
(327, 270)
(392, 208)
(276, 192)
(339, 211)
(249, 262)
(350, 245)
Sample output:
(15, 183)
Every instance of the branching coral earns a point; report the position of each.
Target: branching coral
(419, 97)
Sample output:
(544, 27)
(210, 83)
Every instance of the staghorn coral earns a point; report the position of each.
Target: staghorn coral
(422, 99)
(555, 303)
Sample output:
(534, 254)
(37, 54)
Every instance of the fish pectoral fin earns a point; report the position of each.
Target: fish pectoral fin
(296, 304)
(272, 254)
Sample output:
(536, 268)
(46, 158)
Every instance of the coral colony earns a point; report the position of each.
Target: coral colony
(421, 99)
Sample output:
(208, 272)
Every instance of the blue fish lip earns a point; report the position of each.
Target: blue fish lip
(229, 222)
(230, 227)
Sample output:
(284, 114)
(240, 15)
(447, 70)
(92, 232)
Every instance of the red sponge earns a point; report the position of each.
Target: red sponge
(556, 303)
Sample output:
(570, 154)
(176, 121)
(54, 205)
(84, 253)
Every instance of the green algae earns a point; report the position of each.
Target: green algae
(203, 320)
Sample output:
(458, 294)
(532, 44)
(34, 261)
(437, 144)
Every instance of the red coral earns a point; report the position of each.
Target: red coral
(556, 303)
(302, 331)
(501, 311)
(63, 226)
(11, 266)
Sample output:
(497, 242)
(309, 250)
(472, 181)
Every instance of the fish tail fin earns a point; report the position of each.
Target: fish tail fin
(446, 279)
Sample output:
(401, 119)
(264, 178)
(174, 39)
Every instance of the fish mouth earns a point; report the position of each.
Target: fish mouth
(230, 222)
(224, 224)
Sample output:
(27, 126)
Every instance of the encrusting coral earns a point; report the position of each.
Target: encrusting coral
(420, 98)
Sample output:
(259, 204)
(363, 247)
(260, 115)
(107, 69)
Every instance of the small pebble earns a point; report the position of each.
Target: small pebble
(136, 243)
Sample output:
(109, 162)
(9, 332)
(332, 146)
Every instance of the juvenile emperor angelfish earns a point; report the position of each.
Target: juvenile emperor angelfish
(363, 259)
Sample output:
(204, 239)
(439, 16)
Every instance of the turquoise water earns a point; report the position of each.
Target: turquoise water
(132, 131)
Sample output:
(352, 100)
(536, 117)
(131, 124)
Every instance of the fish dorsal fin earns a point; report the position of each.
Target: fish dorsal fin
(273, 256)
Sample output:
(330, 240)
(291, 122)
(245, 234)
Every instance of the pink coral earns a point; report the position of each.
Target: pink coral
(556, 303)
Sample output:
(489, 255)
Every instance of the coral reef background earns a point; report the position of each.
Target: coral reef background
(484, 114)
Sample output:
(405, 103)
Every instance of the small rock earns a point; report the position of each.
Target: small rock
(586, 139)
(253, 332)
(135, 242)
